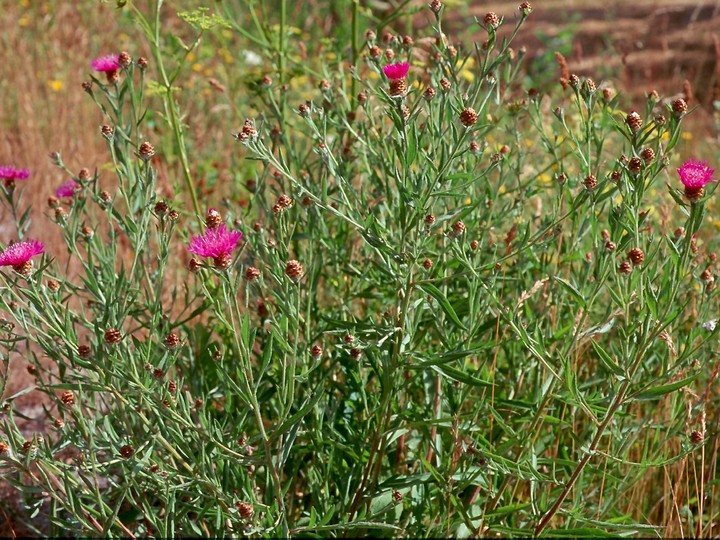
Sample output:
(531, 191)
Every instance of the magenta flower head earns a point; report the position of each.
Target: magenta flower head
(109, 65)
(8, 175)
(18, 255)
(217, 243)
(106, 63)
(396, 71)
(694, 174)
(67, 190)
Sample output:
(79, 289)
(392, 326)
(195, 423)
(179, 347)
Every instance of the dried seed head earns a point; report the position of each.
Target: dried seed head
(605, 234)
(635, 165)
(252, 273)
(285, 201)
(223, 261)
(84, 351)
(213, 218)
(445, 84)
(398, 87)
(362, 97)
(172, 341)
(427, 264)
(525, 8)
(53, 285)
(468, 117)
(107, 131)
(355, 353)
(648, 155)
(245, 510)
(146, 151)
(625, 267)
(105, 197)
(59, 423)
(491, 20)
(679, 107)
(590, 182)
(127, 451)
(474, 245)
(87, 232)
(172, 387)
(610, 246)
(679, 232)
(429, 219)
(636, 256)
(112, 336)
(574, 81)
(158, 374)
(161, 208)
(694, 193)
(142, 63)
(607, 94)
(660, 120)
(294, 270)
(375, 52)
(458, 228)
(60, 215)
(87, 86)
(697, 437)
(633, 121)
(706, 275)
(124, 59)
(24, 269)
(316, 351)
(693, 244)
(435, 6)
(194, 264)
(67, 398)
(52, 202)
(84, 174)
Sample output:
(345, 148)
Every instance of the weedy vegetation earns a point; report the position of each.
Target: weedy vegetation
(410, 295)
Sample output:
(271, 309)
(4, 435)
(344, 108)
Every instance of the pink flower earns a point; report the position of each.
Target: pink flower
(695, 173)
(396, 71)
(67, 190)
(11, 173)
(18, 255)
(106, 63)
(217, 243)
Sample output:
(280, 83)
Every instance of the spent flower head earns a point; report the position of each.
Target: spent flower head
(217, 243)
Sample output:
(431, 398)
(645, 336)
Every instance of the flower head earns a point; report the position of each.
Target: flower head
(695, 173)
(396, 71)
(18, 255)
(106, 63)
(11, 173)
(67, 190)
(217, 243)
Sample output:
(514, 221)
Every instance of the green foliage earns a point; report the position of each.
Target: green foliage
(430, 328)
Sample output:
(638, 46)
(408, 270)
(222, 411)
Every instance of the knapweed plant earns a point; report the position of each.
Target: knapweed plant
(450, 304)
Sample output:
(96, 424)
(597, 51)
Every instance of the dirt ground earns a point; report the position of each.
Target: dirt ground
(643, 45)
